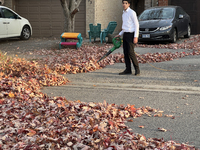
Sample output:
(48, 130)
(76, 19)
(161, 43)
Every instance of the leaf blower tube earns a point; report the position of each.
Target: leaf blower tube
(117, 41)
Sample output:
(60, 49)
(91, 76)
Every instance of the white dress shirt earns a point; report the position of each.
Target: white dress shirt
(129, 22)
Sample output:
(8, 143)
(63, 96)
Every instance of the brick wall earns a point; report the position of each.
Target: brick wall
(162, 2)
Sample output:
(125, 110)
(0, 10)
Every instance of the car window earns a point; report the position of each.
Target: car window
(1, 14)
(8, 14)
(179, 11)
(182, 11)
(159, 13)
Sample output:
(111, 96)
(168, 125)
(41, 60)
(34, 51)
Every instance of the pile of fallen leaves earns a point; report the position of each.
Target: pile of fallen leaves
(74, 61)
(160, 57)
(31, 120)
(30, 72)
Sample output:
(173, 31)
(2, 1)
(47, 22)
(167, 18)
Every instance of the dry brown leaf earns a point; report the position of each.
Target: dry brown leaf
(162, 129)
(31, 132)
(11, 95)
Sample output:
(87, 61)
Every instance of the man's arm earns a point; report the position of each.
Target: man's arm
(136, 26)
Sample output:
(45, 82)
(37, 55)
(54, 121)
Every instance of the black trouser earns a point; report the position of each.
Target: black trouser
(129, 53)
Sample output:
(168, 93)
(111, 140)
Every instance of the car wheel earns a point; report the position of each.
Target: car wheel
(26, 33)
(174, 38)
(188, 32)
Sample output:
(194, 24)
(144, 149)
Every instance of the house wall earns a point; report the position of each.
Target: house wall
(90, 13)
(163, 2)
(150, 3)
(139, 7)
(147, 4)
(104, 11)
(109, 10)
(1, 2)
(8, 3)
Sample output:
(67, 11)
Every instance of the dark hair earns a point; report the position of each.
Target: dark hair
(129, 1)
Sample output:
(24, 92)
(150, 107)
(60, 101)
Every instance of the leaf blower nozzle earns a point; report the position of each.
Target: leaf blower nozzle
(117, 41)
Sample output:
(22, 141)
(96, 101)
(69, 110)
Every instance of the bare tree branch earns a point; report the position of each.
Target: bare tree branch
(78, 3)
(72, 5)
(74, 12)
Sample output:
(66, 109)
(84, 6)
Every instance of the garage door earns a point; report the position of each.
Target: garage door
(46, 17)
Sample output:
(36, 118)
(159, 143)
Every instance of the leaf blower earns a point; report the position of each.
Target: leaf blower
(117, 41)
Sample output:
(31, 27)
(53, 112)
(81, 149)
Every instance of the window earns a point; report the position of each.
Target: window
(1, 16)
(182, 11)
(160, 13)
(8, 14)
(177, 13)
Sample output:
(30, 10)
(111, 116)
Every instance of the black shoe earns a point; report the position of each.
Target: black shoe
(125, 72)
(137, 73)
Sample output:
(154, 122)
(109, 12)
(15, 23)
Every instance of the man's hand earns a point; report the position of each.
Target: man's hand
(135, 40)
(117, 36)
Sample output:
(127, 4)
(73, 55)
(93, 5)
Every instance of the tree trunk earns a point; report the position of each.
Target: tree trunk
(70, 8)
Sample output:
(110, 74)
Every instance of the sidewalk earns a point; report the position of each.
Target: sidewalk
(176, 93)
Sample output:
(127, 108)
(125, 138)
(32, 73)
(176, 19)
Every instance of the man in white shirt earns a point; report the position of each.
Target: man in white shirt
(130, 32)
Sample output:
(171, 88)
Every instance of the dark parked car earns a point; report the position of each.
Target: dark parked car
(166, 23)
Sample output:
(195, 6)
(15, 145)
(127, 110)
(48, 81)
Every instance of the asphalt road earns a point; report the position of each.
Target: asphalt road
(175, 93)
